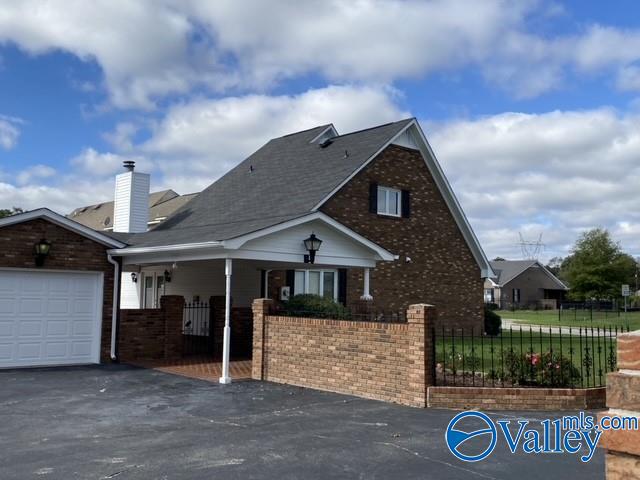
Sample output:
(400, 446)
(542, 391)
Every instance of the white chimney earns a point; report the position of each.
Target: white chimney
(131, 209)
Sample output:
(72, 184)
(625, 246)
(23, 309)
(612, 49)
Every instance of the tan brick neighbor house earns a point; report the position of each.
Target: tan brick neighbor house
(391, 228)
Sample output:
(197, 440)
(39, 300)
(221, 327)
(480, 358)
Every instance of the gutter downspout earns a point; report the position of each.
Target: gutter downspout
(114, 308)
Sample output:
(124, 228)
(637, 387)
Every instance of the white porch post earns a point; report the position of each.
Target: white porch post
(365, 294)
(225, 378)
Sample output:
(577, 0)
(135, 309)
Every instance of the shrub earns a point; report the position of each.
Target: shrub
(493, 306)
(534, 369)
(307, 305)
(492, 322)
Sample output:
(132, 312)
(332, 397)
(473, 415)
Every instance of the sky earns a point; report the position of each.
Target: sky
(532, 107)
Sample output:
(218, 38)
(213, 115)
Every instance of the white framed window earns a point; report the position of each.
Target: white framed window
(316, 282)
(389, 200)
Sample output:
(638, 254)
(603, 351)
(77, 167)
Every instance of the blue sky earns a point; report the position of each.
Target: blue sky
(532, 107)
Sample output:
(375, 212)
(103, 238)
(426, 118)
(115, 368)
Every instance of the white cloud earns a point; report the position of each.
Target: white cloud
(556, 173)
(9, 131)
(148, 50)
(202, 139)
(199, 141)
(35, 172)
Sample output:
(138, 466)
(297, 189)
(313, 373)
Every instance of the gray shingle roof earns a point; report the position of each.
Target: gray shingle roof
(283, 180)
(507, 270)
(100, 216)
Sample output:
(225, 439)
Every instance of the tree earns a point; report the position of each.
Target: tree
(555, 265)
(5, 212)
(597, 267)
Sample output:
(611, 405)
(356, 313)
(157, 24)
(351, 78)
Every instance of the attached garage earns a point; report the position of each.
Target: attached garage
(49, 318)
(56, 311)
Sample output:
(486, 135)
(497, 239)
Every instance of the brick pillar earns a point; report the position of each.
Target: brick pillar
(216, 317)
(172, 307)
(623, 393)
(421, 371)
(260, 307)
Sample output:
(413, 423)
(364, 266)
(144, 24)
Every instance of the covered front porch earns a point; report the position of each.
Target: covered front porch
(219, 280)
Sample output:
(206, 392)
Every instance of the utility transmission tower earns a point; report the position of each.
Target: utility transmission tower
(530, 249)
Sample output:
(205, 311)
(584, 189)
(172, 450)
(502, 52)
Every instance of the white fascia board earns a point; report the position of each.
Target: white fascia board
(220, 254)
(128, 251)
(329, 128)
(385, 255)
(553, 277)
(63, 222)
(444, 187)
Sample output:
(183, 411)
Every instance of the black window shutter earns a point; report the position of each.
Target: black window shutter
(373, 197)
(263, 290)
(342, 286)
(291, 281)
(406, 203)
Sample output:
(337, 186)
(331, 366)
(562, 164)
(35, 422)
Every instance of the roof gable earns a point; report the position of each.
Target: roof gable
(508, 270)
(62, 221)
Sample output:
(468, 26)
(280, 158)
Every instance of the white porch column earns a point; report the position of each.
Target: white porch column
(226, 346)
(365, 293)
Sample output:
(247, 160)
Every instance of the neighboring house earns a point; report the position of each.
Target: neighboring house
(161, 205)
(392, 233)
(523, 284)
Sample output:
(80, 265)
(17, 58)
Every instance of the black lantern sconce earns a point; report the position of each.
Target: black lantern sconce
(42, 249)
(312, 244)
(167, 276)
(134, 277)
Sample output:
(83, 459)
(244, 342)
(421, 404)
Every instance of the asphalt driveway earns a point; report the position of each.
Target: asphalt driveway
(120, 422)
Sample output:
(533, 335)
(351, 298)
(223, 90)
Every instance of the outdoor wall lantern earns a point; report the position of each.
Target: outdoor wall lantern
(134, 277)
(167, 276)
(312, 244)
(42, 250)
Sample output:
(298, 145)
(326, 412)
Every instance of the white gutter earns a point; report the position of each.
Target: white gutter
(121, 252)
(114, 308)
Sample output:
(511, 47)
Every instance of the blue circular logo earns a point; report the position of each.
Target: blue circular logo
(456, 437)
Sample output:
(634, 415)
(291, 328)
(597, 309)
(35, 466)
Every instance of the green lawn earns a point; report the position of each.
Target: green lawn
(500, 357)
(574, 318)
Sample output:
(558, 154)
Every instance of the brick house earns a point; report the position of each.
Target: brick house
(523, 284)
(392, 234)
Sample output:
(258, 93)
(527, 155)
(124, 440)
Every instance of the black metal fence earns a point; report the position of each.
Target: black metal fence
(197, 331)
(525, 357)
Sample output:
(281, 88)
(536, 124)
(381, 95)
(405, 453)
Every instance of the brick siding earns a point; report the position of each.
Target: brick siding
(483, 398)
(442, 272)
(383, 361)
(623, 393)
(69, 251)
(152, 333)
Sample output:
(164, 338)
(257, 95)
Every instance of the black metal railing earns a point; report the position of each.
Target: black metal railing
(197, 332)
(525, 356)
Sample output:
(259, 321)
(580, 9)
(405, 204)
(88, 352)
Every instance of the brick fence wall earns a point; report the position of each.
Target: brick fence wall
(487, 398)
(623, 393)
(384, 361)
(152, 333)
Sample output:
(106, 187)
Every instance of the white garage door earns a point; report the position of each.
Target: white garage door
(49, 318)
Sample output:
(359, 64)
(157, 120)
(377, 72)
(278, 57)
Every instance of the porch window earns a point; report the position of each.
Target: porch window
(316, 282)
(389, 200)
(153, 290)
